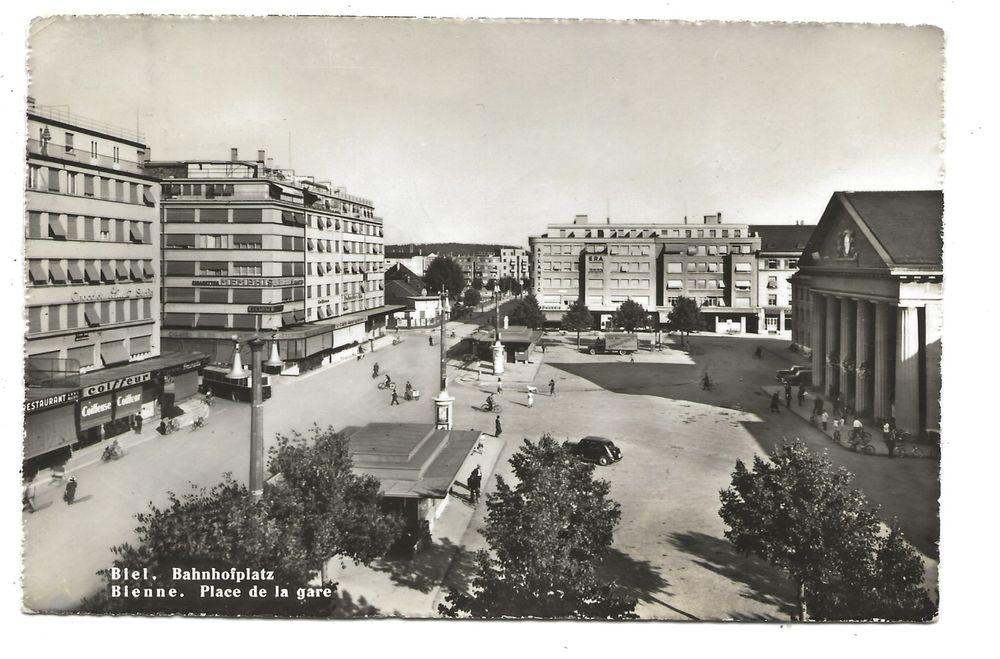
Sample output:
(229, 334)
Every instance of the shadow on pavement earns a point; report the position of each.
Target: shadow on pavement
(346, 607)
(638, 578)
(425, 571)
(763, 583)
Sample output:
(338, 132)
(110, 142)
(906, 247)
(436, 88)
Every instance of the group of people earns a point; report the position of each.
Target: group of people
(29, 491)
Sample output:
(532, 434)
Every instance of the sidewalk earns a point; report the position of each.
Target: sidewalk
(412, 588)
(903, 449)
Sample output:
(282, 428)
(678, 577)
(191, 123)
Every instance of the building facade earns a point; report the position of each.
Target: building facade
(92, 238)
(867, 304)
(249, 249)
(605, 264)
(778, 259)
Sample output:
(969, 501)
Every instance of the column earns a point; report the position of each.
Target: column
(846, 352)
(781, 320)
(932, 321)
(832, 345)
(883, 360)
(863, 357)
(907, 392)
(817, 339)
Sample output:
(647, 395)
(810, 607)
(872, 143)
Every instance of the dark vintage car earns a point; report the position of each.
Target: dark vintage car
(595, 449)
(785, 373)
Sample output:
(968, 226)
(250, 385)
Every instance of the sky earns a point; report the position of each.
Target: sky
(488, 131)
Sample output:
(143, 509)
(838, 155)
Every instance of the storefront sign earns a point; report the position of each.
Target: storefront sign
(265, 308)
(113, 385)
(128, 402)
(81, 336)
(250, 282)
(113, 293)
(51, 401)
(187, 366)
(95, 412)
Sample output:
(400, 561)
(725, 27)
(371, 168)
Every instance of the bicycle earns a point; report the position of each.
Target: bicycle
(486, 408)
(209, 399)
(198, 423)
(862, 439)
(170, 425)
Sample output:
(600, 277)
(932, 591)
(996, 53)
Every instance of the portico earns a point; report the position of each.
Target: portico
(867, 301)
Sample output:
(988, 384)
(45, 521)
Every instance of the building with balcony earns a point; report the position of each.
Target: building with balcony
(249, 249)
(93, 355)
(867, 304)
(781, 246)
(652, 264)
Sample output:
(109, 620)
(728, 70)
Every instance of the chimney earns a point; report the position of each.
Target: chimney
(269, 162)
(581, 219)
(234, 154)
(260, 155)
(685, 219)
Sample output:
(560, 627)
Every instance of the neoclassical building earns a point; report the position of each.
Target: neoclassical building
(867, 303)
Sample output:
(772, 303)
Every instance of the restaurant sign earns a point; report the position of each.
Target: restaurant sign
(104, 387)
(51, 401)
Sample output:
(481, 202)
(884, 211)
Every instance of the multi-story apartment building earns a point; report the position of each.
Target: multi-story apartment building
(92, 344)
(487, 266)
(781, 246)
(652, 264)
(515, 263)
(249, 249)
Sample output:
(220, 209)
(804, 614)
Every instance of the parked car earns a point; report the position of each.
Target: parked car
(783, 373)
(621, 342)
(803, 376)
(595, 449)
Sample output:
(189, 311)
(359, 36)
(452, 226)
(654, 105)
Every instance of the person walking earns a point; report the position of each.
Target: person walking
(824, 418)
(801, 395)
(788, 396)
(69, 495)
(856, 429)
(499, 428)
(889, 437)
(552, 387)
(838, 404)
(758, 352)
(838, 423)
(28, 495)
(499, 386)
(430, 340)
(775, 402)
(475, 482)
(817, 406)
(408, 391)
(137, 426)
(395, 398)
(531, 399)
(375, 370)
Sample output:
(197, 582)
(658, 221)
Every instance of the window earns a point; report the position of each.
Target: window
(69, 142)
(742, 284)
(792, 264)
(53, 180)
(93, 149)
(116, 154)
(247, 215)
(57, 228)
(772, 300)
(772, 282)
(179, 215)
(744, 267)
(247, 268)
(247, 295)
(216, 268)
(701, 233)
(88, 185)
(692, 250)
(179, 240)
(105, 188)
(674, 268)
(213, 295)
(723, 250)
(675, 283)
(34, 319)
(133, 193)
(713, 250)
(220, 215)
(179, 294)
(247, 241)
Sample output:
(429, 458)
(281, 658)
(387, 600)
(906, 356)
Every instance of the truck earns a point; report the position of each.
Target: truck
(621, 342)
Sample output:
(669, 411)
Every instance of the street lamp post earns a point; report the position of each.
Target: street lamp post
(257, 421)
(499, 359)
(444, 403)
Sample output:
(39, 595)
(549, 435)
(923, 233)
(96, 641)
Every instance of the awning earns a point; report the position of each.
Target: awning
(123, 270)
(136, 231)
(91, 269)
(37, 272)
(320, 312)
(147, 196)
(320, 245)
(180, 239)
(91, 315)
(329, 310)
(136, 271)
(147, 268)
(107, 271)
(56, 227)
(321, 269)
(75, 272)
(311, 244)
(56, 273)
(287, 318)
(113, 352)
(174, 319)
(49, 430)
(299, 316)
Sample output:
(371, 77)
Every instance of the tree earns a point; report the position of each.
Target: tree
(578, 319)
(477, 283)
(472, 297)
(685, 317)
(528, 313)
(798, 513)
(516, 288)
(444, 273)
(630, 315)
(546, 536)
(317, 509)
(491, 285)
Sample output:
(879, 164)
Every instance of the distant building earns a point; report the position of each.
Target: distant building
(405, 289)
(653, 264)
(867, 304)
(92, 240)
(781, 246)
(414, 263)
(249, 249)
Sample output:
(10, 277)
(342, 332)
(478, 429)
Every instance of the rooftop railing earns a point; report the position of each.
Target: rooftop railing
(56, 113)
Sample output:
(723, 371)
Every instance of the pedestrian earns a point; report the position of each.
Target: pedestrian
(824, 418)
(69, 495)
(375, 370)
(631, 358)
(531, 399)
(775, 402)
(430, 340)
(758, 352)
(28, 495)
(856, 429)
(889, 437)
(801, 395)
(817, 406)
(838, 404)
(788, 388)
(838, 423)
(788, 397)
(475, 482)
(395, 398)
(499, 386)
(138, 423)
(408, 391)
(499, 427)
(552, 387)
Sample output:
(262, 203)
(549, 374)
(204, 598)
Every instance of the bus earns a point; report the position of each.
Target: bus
(215, 379)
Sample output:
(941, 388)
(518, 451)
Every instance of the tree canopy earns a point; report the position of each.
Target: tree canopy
(798, 512)
(444, 273)
(317, 509)
(472, 297)
(630, 315)
(477, 283)
(546, 536)
(528, 313)
(578, 319)
(685, 316)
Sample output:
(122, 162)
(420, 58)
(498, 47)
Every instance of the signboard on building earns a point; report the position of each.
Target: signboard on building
(250, 282)
(95, 411)
(128, 402)
(113, 385)
(265, 308)
(51, 401)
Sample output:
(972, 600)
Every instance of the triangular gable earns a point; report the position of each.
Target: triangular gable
(841, 240)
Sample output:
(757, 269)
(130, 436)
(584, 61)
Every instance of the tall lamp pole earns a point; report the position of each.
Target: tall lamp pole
(257, 422)
(444, 404)
(444, 374)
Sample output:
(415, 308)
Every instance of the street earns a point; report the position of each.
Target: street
(679, 443)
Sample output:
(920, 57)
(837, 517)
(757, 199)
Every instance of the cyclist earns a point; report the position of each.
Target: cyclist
(489, 403)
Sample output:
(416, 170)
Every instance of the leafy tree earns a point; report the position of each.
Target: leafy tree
(546, 535)
(317, 509)
(798, 513)
(491, 285)
(477, 283)
(578, 319)
(472, 297)
(528, 313)
(444, 273)
(630, 315)
(516, 288)
(685, 317)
